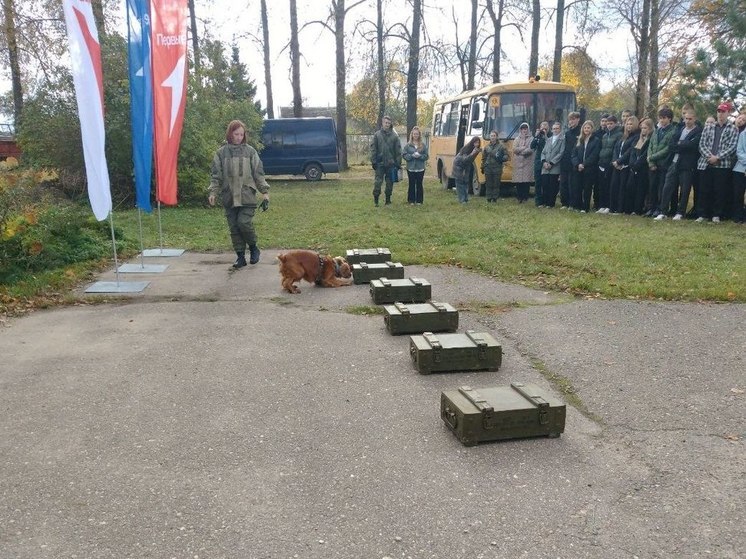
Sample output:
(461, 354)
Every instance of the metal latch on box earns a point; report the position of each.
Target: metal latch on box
(488, 416)
(538, 401)
(432, 339)
(480, 342)
(402, 308)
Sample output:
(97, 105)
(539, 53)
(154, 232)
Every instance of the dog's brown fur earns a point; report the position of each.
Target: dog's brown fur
(296, 265)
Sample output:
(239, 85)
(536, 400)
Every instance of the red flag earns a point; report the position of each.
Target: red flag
(168, 54)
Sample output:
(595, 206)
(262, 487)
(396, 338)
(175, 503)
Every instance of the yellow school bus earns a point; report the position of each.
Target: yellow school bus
(501, 107)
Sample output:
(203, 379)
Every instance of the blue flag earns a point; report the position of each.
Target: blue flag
(141, 98)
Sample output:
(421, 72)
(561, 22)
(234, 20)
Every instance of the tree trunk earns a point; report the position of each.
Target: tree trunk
(267, 67)
(533, 62)
(557, 65)
(641, 93)
(97, 6)
(655, 22)
(339, 37)
(472, 47)
(15, 68)
(295, 60)
(381, 69)
(195, 39)
(414, 65)
(497, 25)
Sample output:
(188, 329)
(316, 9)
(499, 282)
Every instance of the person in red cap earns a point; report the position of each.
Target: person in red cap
(717, 148)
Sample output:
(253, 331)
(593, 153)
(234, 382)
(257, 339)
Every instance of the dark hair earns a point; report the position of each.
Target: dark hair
(665, 112)
(574, 114)
(611, 118)
(470, 145)
(234, 125)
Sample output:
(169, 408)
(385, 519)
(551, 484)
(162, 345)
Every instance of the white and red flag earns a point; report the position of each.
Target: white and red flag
(85, 55)
(168, 44)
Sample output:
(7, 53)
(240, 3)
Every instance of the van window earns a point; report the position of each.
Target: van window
(314, 138)
(279, 139)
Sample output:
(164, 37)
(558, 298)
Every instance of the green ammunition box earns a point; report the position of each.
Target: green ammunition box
(470, 351)
(418, 318)
(503, 412)
(364, 272)
(369, 255)
(409, 290)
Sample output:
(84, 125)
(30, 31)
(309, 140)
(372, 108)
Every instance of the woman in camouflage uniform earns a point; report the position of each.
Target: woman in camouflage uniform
(493, 157)
(238, 175)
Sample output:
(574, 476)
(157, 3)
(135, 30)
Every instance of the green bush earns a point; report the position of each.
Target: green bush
(39, 232)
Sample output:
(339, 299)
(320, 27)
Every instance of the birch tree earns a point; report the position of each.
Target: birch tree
(267, 63)
(295, 60)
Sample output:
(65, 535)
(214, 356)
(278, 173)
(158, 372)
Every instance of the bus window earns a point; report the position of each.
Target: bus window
(450, 125)
(477, 116)
(554, 106)
(507, 115)
(437, 122)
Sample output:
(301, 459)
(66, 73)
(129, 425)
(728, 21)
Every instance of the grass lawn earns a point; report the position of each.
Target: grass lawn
(589, 255)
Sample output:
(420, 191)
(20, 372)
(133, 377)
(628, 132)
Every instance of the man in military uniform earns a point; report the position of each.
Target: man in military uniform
(385, 156)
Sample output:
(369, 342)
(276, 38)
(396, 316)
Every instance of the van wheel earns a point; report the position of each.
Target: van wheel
(313, 172)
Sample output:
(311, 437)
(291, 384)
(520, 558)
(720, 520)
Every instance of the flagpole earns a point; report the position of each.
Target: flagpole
(160, 227)
(160, 251)
(142, 268)
(117, 286)
(114, 246)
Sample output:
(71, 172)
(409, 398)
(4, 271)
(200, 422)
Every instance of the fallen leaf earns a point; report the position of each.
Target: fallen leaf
(732, 438)
(737, 390)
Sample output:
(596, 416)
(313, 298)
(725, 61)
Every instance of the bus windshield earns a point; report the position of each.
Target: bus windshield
(506, 111)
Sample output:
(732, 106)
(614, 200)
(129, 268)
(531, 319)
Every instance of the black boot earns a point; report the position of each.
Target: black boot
(241, 260)
(388, 200)
(254, 253)
(375, 200)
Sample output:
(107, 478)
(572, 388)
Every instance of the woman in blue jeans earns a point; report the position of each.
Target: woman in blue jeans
(462, 167)
(415, 154)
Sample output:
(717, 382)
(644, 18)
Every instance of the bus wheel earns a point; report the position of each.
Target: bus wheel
(476, 188)
(444, 179)
(313, 172)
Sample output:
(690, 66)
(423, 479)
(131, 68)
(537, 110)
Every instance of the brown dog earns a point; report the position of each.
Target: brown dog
(313, 267)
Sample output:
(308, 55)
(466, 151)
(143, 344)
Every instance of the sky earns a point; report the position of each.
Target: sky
(318, 71)
(240, 18)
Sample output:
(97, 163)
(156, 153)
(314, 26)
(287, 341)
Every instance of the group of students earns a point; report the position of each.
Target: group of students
(639, 168)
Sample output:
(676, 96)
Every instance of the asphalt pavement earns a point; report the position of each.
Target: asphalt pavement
(214, 416)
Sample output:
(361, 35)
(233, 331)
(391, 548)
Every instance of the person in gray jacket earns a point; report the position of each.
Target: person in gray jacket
(551, 157)
(415, 154)
(238, 176)
(385, 157)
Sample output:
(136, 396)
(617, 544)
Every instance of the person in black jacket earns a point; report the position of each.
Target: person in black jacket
(637, 184)
(620, 165)
(685, 149)
(611, 135)
(584, 168)
(537, 144)
(571, 138)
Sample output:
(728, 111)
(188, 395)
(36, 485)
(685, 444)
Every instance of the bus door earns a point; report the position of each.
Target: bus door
(463, 123)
